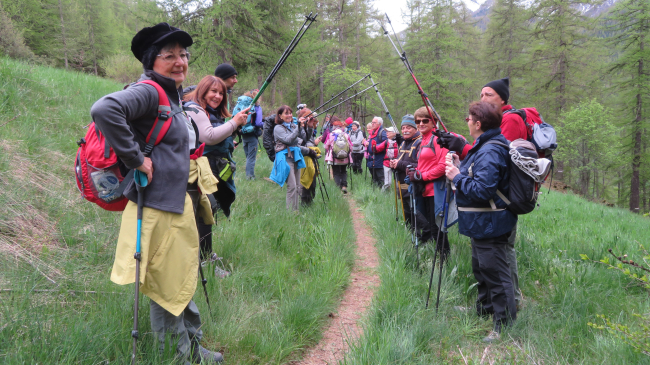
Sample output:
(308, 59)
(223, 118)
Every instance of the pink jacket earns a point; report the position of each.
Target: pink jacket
(329, 143)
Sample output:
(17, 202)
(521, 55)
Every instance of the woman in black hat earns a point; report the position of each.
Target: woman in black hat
(169, 238)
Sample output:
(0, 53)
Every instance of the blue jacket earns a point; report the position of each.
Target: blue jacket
(489, 173)
(376, 162)
(281, 168)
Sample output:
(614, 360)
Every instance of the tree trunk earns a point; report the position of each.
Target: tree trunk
(636, 159)
(92, 37)
(298, 100)
(65, 45)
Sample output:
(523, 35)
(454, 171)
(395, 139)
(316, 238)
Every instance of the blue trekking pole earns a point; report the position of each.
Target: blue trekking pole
(141, 182)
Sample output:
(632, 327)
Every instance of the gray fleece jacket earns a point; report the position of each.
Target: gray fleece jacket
(126, 117)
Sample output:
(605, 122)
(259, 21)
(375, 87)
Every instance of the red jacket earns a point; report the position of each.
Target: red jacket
(512, 127)
(391, 148)
(431, 163)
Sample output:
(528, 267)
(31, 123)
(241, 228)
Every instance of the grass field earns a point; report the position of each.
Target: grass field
(562, 292)
(288, 270)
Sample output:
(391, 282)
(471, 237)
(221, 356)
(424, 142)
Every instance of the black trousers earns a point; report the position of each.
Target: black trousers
(417, 220)
(340, 175)
(430, 209)
(307, 195)
(205, 238)
(357, 160)
(496, 294)
(377, 176)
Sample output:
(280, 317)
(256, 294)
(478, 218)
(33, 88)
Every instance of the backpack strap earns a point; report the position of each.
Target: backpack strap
(164, 113)
(499, 193)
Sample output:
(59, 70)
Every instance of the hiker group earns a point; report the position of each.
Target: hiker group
(163, 155)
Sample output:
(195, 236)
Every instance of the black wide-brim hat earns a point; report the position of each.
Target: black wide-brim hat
(159, 33)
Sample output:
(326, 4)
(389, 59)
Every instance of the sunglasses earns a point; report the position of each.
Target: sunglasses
(422, 121)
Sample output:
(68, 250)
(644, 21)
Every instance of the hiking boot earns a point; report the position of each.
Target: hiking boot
(344, 189)
(205, 356)
(492, 337)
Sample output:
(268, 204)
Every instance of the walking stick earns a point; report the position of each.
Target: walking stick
(351, 173)
(444, 234)
(141, 182)
(351, 97)
(395, 182)
(322, 182)
(435, 255)
(337, 95)
(204, 281)
(318, 182)
(383, 104)
(402, 56)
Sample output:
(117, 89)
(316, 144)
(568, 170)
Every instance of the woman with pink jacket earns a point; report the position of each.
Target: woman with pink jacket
(336, 150)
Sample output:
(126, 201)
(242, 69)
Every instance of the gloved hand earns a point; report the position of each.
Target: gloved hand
(451, 142)
(414, 175)
(312, 153)
(374, 145)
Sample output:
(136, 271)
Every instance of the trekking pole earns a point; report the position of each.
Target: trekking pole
(351, 172)
(433, 265)
(444, 234)
(395, 182)
(204, 281)
(414, 216)
(318, 181)
(402, 56)
(322, 182)
(337, 95)
(383, 104)
(141, 182)
(294, 42)
(332, 107)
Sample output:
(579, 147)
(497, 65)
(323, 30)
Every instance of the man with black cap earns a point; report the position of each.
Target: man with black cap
(496, 92)
(229, 76)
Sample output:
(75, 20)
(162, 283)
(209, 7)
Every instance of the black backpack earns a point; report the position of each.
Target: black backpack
(524, 189)
(268, 139)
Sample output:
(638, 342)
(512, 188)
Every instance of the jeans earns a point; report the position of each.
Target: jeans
(250, 149)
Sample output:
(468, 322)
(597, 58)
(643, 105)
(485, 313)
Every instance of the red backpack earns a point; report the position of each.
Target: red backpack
(97, 167)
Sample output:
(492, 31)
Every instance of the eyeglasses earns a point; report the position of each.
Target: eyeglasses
(169, 58)
(422, 121)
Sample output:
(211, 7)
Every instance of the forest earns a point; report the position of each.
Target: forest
(585, 65)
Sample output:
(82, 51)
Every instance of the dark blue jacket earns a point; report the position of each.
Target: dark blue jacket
(490, 172)
(378, 161)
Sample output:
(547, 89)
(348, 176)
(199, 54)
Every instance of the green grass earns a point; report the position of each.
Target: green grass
(563, 293)
(288, 271)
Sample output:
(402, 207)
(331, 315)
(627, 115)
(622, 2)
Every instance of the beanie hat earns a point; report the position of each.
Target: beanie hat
(225, 71)
(348, 121)
(409, 120)
(502, 87)
(159, 35)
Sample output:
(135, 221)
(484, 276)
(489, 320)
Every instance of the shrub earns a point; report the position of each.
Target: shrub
(121, 67)
(12, 42)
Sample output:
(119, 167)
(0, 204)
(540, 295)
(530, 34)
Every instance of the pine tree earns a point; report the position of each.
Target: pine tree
(630, 22)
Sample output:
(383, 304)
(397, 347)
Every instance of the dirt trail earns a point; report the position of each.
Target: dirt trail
(344, 325)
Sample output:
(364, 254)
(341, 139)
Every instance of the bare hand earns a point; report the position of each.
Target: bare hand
(453, 159)
(450, 170)
(147, 168)
(317, 140)
(365, 143)
(241, 117)
(393, 163)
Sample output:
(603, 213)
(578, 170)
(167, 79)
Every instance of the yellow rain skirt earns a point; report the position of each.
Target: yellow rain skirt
(169, 247)
(309, 172)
